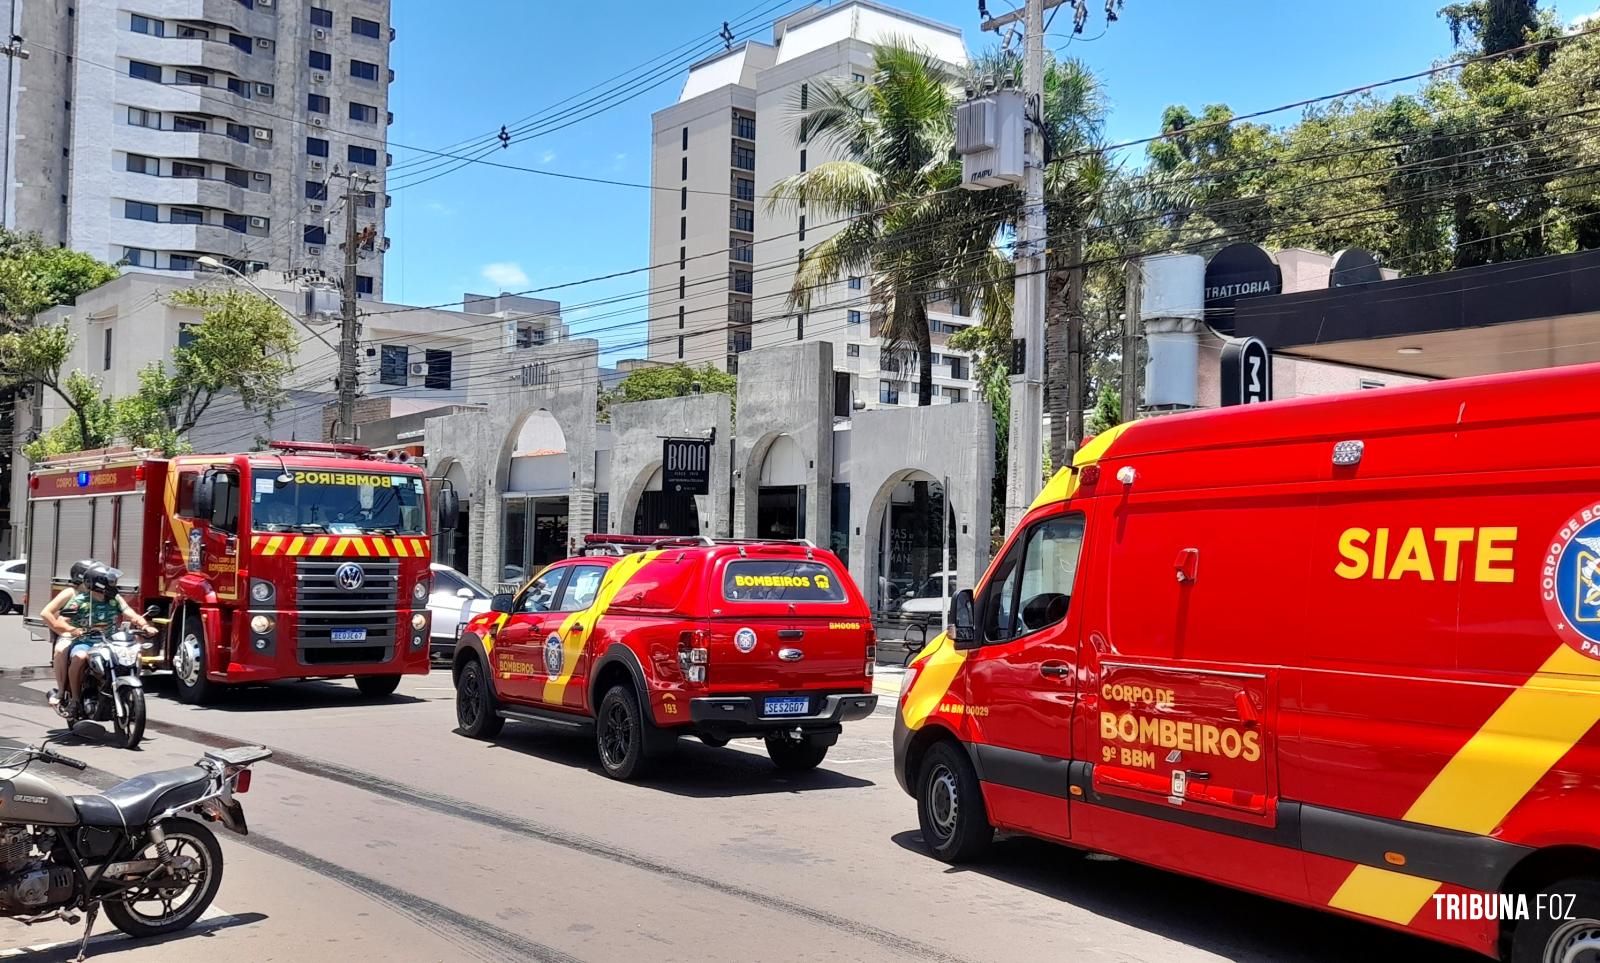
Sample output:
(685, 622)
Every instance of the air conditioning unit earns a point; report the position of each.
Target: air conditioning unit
(320, 34)
(258, 222)
(316, 208)
(419, 368)
(315, 165)
(318, 122)
(319, 78)
(263, 90)
(314, 251)
(258, 176)
(264, 3)
(263, 43)
(263, 133)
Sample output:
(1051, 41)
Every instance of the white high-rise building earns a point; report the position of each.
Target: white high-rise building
(153, 132)
(724, 263)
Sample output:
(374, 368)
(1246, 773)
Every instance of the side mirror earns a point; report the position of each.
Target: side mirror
(963, 623)
(500, 603)
(465, 593)
(449, 509)
(204, 496)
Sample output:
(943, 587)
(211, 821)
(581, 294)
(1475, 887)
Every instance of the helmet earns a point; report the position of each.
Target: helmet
(102, 579)
(79, 569)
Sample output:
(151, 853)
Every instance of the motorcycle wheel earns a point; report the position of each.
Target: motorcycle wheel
(130, 727)
(169, 905)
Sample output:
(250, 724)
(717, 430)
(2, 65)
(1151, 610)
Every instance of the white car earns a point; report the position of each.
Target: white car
(13, 585)
(454, 601)
(926, 602)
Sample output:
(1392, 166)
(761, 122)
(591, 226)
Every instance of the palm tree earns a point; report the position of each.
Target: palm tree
(910, 227)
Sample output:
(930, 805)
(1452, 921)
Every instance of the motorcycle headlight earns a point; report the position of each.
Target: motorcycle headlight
(261, 624)
(126, 654)
(419, 592)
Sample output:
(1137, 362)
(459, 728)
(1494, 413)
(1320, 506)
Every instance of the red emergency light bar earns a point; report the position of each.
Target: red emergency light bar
(354, 451)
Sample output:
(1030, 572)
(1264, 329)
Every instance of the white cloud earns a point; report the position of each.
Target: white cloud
(507, 274)
(443, 210)
(617, 160)
(547, 157)
(1585, 21)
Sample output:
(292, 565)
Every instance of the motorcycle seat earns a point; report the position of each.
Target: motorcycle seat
(133, 803)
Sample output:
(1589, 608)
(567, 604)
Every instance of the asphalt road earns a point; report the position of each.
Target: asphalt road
(378, 832)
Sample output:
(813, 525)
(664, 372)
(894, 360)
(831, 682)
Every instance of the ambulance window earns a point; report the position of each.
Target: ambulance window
(582, 587)
(1032, 587)
(540, 596)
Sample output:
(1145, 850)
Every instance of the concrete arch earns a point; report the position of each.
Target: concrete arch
(878, 508)
(637, 431)
(786, 390)
(890, 446)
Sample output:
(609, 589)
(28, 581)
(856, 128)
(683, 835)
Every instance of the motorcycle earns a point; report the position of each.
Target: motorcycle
(128, 849)
(112, 689)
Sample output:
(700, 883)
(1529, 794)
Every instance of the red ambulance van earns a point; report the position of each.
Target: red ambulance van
(1342, 651)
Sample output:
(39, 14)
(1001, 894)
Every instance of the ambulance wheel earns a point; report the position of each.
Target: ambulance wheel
(955, 825)
(619, 732)
(475, 713)
(189, 662)
(377, 686)
(795, 756)
(1543, 939)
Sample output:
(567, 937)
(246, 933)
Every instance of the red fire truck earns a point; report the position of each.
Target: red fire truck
(304, 561)
(1343, 652)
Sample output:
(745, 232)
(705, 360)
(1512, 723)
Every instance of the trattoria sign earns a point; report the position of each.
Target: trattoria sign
(1235, 272)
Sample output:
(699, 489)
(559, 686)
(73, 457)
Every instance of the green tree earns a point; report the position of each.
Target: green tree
(908, 227)
(35, 278)
(1107, 411)
(667, 381)
(38, 355)
(243, 345)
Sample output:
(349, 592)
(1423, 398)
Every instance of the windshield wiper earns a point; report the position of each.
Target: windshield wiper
(383, 531)
(309, 527)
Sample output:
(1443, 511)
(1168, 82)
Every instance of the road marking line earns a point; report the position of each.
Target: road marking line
(211, 919)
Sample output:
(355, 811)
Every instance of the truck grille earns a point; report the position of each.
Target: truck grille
(323, 605)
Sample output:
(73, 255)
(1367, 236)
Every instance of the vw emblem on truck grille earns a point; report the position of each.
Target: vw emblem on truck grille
(350, 576)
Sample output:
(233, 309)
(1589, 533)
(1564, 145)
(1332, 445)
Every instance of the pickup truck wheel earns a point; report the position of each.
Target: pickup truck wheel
(377, 686)
(189, 662)
(1544, 939)
(792, 756)
(715, 742)
(619, 730)
(955, 825)
(475, 713)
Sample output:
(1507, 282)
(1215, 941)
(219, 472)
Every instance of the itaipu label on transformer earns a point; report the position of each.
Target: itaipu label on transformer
(1569, 581)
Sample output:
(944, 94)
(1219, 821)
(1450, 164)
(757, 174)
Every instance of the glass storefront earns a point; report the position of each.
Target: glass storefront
(910, 558)
(533, 533)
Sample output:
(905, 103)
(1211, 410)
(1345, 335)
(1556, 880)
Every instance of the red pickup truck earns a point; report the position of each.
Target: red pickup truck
(645, 640)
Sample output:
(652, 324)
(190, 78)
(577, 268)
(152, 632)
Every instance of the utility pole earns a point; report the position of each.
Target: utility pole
(13, 51)
(1076, 397)
(1133, 300)
(348, 387)
(1025, 446)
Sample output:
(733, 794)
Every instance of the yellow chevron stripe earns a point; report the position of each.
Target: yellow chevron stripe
(320, 546)
(382, 545)
(1537, 724)
(342, 546)
(273, 544)
(418, 549)
(361, 546)
(400, 548)
(577, 627)
(298, 545)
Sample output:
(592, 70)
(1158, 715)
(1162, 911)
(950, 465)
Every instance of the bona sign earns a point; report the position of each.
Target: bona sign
(1570, 581)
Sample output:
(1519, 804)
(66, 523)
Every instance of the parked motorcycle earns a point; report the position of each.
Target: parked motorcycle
(112, 690)
(129, 849)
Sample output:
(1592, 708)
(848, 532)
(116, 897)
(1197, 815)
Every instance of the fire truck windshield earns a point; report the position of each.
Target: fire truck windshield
(336, 502)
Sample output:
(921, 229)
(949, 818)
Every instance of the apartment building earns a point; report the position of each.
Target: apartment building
(723, 263)
(151, 133)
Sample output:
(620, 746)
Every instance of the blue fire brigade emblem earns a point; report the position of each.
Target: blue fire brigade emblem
(552, 654)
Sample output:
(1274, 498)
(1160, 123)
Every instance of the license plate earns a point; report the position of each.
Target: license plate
(348, 635)
(787, 706)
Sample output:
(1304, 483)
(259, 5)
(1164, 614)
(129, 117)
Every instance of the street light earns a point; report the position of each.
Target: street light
(207, 261)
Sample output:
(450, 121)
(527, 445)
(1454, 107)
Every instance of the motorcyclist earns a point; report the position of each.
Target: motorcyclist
(57, 615)
(99, 608)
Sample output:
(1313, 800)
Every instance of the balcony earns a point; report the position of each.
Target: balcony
(742, 190)
(738, 342)
(740, 282)
(185, 191)
(744, 128)
(742, 219)
(210, 238)
(743, 158)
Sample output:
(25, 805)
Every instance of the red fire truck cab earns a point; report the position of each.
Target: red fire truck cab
(1343, 652)
(306, 561)
(646, 639)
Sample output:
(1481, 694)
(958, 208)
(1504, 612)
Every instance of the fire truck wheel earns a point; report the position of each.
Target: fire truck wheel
(475, 713)
(377, 686)
(189, 662)
(792, 756)
(620, 735)
(955, 825)
(1548, 939)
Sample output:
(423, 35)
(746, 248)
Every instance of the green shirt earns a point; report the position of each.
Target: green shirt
(85, 613)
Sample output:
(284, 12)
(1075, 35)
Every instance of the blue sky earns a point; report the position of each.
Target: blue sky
(464, 69)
